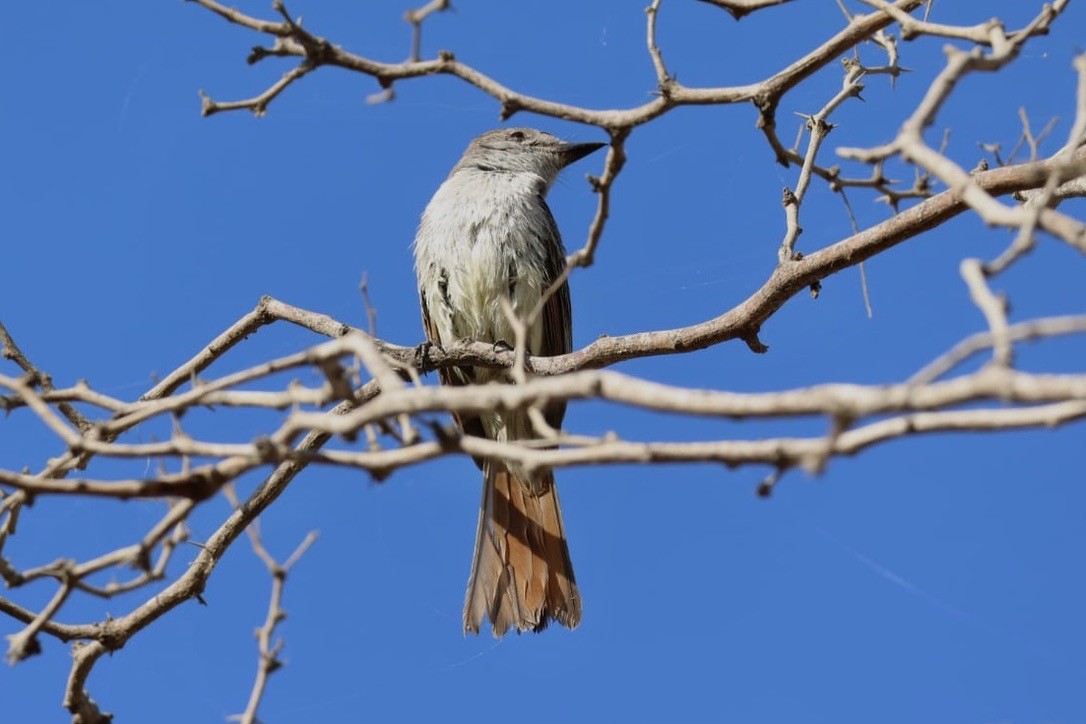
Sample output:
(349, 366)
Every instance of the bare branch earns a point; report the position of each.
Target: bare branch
(994, 309)
(10, 350)
(257, 104)
(189, 585)
(663, 78)
(382, 417)
(269, 652)
(1024, 331)
(416, 18)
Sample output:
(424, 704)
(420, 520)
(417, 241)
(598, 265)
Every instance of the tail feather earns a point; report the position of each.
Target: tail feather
(521, 574)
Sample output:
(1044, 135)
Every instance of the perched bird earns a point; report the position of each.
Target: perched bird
(487, 234)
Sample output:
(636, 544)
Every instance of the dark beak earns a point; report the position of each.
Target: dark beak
(570, 152)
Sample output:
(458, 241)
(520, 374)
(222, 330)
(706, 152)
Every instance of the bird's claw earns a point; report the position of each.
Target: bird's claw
(422, 355)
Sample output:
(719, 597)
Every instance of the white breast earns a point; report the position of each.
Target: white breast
(481, 239)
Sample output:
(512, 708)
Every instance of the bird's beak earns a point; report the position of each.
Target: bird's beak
(570, 152)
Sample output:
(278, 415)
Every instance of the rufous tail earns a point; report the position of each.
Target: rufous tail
(521, 575)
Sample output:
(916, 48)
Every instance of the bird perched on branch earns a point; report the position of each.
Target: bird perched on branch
(486, 238)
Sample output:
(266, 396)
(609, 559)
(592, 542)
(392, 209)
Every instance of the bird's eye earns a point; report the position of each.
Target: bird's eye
(516, 136)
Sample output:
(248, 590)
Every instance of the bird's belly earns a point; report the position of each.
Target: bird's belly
(490, 283)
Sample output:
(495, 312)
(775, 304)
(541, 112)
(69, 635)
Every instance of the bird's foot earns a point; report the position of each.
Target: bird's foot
(422, 355)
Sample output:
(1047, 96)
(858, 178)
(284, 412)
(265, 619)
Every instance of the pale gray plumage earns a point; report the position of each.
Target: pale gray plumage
(487, 234)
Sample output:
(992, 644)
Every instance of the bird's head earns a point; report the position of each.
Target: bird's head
(523, 150)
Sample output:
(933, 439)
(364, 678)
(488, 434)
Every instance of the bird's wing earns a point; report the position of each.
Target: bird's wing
(468, 423)
(557, 318)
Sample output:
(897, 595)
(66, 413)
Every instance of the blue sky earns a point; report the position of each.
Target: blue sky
(933, 579)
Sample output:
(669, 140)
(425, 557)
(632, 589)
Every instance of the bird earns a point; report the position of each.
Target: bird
(487, 242)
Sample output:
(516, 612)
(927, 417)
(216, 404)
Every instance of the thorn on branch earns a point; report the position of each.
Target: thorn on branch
(256, 54)
(508, 109)
(994, 149)
(207, 106)
(755, 344)
(379, 473)
(765, 488)
(21, 647)
(385, 95)
(141, 561)
(739, 9)
(281, 8)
